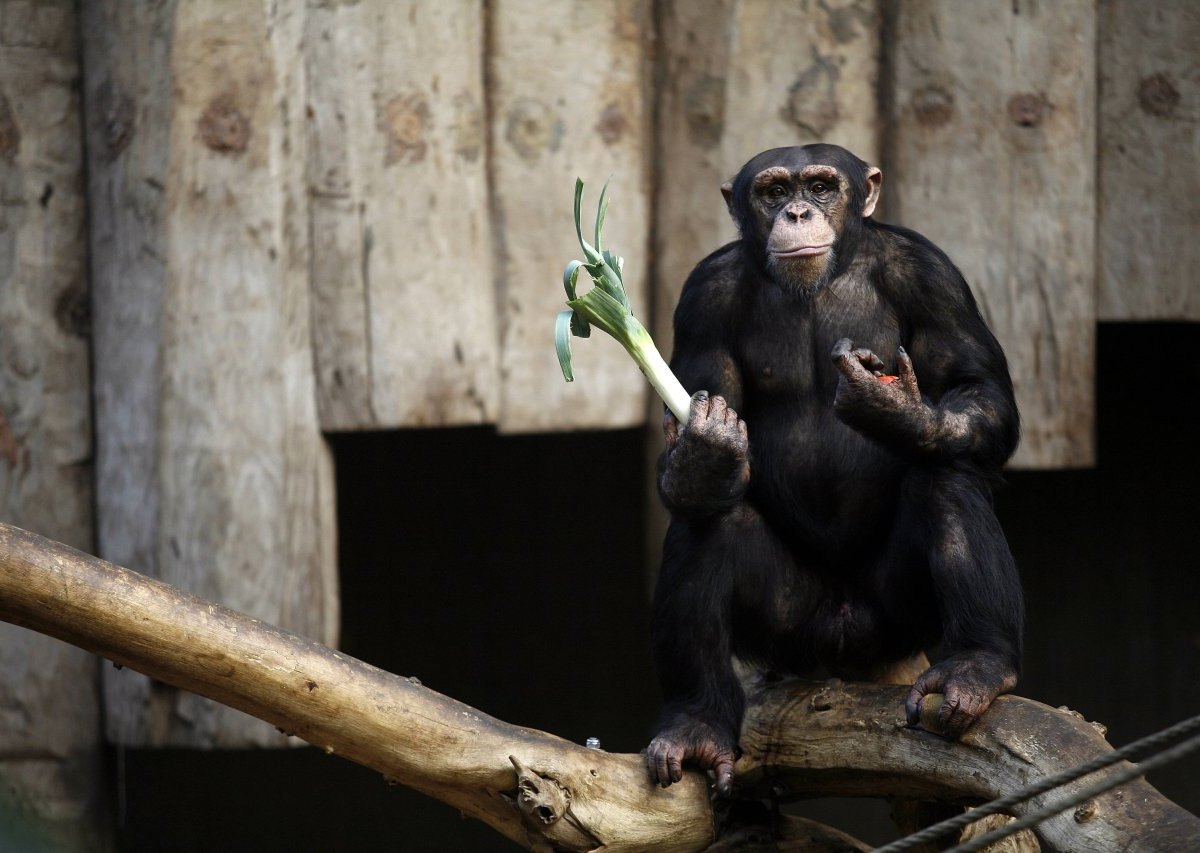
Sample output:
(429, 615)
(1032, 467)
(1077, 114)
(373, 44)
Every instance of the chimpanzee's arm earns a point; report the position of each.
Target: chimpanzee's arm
(964, 408)
(706, 465)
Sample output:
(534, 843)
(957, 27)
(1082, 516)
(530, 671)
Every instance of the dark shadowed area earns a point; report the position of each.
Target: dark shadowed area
(470, 560)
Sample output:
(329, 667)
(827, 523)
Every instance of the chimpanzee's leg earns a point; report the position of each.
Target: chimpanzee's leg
(706, 565)
(978, 595)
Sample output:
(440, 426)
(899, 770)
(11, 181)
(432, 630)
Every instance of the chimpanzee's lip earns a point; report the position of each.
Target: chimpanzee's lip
(804, 251)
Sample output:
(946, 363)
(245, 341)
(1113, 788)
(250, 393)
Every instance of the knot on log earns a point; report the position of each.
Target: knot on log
(545, 808)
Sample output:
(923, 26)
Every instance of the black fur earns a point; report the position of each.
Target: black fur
(848, 547)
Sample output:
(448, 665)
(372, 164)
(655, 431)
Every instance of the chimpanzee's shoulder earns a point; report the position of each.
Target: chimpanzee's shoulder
(719, 274)
(710, 293)
(911, 261)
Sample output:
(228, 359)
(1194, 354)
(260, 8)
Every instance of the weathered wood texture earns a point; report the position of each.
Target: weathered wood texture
(211, 469)
(838, 739)
(1149, 180)
(992, 156)
(736, 78)
(798, 739)
(49, 713)
(404, 318)
(567, 88)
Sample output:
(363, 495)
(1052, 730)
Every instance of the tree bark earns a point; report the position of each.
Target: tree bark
(50, 729)
(410, 734)
(799, 739)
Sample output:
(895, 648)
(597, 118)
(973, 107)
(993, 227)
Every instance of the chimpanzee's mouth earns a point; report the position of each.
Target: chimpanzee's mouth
(804, 251)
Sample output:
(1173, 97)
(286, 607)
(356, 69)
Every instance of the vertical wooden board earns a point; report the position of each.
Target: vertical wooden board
(205, 389)
(737, 78)
(404, 316)
(567, 84)
(993, 158)
(1149, 181)
(50, 774)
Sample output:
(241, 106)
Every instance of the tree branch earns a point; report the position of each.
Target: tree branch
(409, 733)
(799, 739)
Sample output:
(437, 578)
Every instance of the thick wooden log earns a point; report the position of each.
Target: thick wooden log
(407, 732)
(404, 318)
(212, 472)
(50, 770)
(737, 78)
(1149, 186)
(567, 89)
(992, 156)
(837, 739)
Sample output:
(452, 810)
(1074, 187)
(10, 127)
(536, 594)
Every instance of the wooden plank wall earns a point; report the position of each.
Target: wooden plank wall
(325, 216)
(50, 731)
(992, 156)
(1149, 143)
(403, 306)
(567, 83)
(213, 472)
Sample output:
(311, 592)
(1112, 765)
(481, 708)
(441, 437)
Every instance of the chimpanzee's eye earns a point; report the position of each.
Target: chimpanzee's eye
(818, 188)
(776, 192)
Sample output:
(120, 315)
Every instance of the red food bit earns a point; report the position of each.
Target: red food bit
(887, 380)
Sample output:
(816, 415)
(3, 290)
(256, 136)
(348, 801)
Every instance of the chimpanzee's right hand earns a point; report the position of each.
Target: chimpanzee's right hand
(706, 466)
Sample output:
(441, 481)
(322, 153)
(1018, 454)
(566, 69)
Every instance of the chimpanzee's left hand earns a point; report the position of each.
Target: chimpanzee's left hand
(968, 682)
(885, 408)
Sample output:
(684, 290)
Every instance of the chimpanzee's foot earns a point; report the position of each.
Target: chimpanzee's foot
(688, 739)
(968, 682)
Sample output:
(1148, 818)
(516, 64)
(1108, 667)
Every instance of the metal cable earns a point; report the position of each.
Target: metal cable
(1149, 744)
(1082, 796)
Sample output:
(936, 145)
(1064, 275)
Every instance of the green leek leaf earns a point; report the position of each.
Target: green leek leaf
(562, 342)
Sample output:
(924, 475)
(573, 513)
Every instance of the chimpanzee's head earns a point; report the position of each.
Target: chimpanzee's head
(800, 209)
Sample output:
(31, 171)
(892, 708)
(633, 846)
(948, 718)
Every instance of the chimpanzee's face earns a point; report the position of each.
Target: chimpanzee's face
(797, 203)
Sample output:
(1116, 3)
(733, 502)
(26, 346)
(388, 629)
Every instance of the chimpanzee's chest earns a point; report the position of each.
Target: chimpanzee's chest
(787, 340)
(820, 481)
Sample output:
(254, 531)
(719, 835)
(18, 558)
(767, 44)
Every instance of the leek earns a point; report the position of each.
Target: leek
(606, 307)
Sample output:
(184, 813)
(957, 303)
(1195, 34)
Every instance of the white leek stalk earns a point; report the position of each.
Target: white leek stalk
(607, 307)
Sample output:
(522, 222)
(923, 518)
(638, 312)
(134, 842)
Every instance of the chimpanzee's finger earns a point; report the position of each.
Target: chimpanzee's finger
(908, 377)
(675, 760)
(699, 410)
(723, 770)
(717, 407)
(930, 681)
(656, 760)
(868, 359)
(844, 360)
(670, 429)
(912, 706)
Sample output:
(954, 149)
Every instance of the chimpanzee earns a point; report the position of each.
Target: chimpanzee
(827, 514)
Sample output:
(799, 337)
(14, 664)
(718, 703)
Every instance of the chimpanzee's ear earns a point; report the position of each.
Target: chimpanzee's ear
(727, 191)
(874, 182)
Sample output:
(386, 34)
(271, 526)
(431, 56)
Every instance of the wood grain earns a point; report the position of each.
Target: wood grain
(211, 469)
(992, 156)
(1149, 133)
(567, 87)
(50, 733)
(404, 318)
